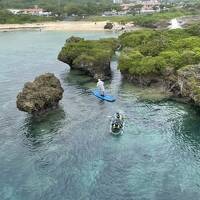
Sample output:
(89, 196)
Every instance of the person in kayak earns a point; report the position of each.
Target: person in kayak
(100, 85)
(118, 116)
(119, 120)
(117, 123)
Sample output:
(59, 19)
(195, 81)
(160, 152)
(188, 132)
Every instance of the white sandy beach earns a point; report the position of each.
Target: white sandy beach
(66, 26)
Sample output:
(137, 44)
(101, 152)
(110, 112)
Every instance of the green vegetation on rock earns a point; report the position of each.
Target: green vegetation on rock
(189, 82)
(152, 51)
(40, 95)
(91, 56)
(169, 57)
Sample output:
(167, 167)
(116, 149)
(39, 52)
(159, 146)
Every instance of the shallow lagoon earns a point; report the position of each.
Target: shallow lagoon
(69, 153)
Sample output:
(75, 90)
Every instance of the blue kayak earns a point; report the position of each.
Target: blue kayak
(106, 97)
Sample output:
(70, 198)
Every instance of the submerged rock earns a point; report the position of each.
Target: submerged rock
(90, 56)
(40, 95)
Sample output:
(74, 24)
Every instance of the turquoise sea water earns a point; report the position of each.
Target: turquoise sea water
(69, 154)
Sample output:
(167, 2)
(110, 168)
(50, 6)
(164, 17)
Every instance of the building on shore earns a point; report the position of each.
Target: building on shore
(14, 11)
(31, 11)
(150, 4)
(147, 5)
(117, 1)
(114, 13)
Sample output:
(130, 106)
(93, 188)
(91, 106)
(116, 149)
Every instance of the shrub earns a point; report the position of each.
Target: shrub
(187, 43)
(83, 59)
(149, 65)
(190, 57)
(154, 46)
(135, 63)
(78, 50)
(193, 29)
(130, 59)
(172, 58)
(135, 38)
(149, 51)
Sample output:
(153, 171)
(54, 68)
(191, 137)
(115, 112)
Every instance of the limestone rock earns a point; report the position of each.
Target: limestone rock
(90, 56)
(143, 80)
(189, 83)
(108, 26)
(40, 95)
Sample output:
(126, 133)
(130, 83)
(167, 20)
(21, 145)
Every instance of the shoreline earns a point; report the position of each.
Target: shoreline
(60, 25)
(70, 26)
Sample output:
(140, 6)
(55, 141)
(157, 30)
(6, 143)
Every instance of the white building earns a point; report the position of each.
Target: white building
(117, 1)
(14, 11)
(148, 6)
(31, 11)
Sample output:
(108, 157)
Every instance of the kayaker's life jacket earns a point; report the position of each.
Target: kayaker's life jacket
(117, 123)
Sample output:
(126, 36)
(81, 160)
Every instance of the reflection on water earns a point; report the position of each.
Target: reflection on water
(41, 129)
(78, 79)
(187, 133)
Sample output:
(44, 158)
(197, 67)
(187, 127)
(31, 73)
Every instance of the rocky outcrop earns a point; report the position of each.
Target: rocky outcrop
(143, 80)
(90, 56)
(189, 83)
(161, 24)
(40, 95)
(74, 39)
(184, 83)
(108, 26)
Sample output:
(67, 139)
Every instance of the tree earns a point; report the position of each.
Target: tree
(173, 58)
(155, 8)
(194, 29)
(73, 9)
(136, 9)
(162, 6)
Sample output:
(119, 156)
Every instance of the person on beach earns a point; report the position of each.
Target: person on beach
(100, 85)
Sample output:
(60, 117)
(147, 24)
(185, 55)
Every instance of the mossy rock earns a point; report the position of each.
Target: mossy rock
(40, 95)
(189, 82)
(91, 56)
(108, 25)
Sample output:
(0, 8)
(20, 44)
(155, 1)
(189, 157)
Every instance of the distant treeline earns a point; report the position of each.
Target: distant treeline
(46, 3)
(64, 7)
(148, 20)
(8, 18)
(92, 10)
(59, 8)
